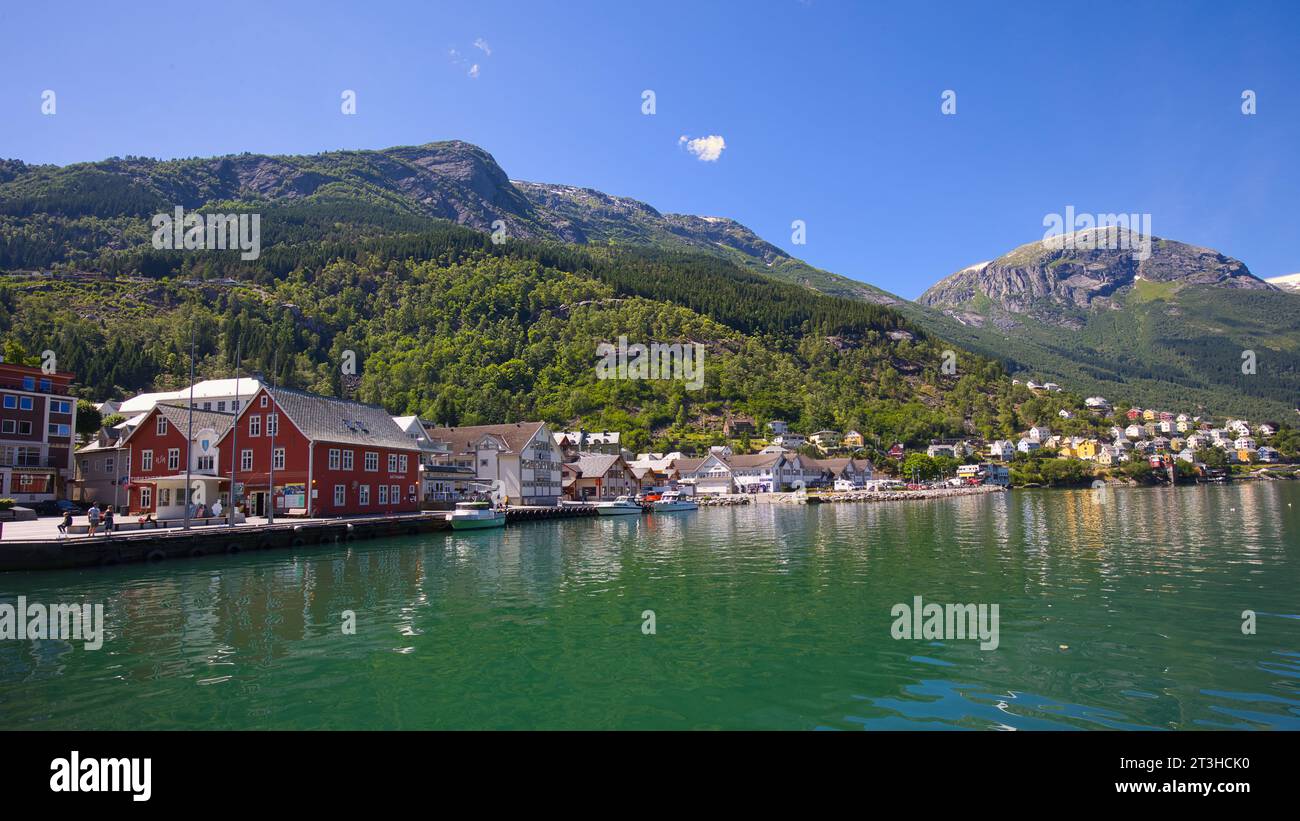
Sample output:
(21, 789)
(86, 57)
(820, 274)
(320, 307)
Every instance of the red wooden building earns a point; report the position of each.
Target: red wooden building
(319, 456)
(154, 454)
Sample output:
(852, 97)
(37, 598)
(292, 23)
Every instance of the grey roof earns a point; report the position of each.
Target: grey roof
(515, 434)
(180, 418)
(591, 465)
(752, 460)
(687, 464)
(326, 419)
(835, 466)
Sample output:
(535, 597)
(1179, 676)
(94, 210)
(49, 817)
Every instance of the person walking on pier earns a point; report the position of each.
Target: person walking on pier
(92, 519)
(108, 520)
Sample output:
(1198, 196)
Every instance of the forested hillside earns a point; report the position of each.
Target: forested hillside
(451, 326)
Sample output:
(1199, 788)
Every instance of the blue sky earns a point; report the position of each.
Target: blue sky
(830, 111)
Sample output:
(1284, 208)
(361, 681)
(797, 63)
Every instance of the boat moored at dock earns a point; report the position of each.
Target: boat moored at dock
(622, 506)
(476, 516)
(672, 501)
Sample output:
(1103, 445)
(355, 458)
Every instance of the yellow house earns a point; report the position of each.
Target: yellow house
(853, 439)
(1106, 457)
(1245, 456)
(1086, 450)
(1149, 415)
(1066, 451)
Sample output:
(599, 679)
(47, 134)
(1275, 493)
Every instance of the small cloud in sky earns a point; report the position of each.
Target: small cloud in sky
(458, 59)
(705, 149)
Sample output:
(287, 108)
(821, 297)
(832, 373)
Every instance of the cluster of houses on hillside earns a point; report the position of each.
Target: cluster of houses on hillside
(1152, 435)
(825, 441)
(292, 452)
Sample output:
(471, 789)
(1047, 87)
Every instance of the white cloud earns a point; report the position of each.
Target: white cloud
(705, 149)
(480, 43)
(473, 71)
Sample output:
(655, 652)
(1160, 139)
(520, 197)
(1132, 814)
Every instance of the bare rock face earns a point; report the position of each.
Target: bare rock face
(1059, 280)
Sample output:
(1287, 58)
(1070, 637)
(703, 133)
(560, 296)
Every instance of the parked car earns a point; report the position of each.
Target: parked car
(57, 507)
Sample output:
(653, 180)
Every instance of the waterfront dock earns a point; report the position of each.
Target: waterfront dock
(171, 543)
(528, 513)
(905, 495)
(146, 546)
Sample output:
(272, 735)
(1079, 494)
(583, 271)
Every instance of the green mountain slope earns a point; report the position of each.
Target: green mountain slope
(1171, 330)
(451, 326)
(1167, 331)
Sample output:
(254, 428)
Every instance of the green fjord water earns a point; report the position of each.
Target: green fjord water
(1118, 610)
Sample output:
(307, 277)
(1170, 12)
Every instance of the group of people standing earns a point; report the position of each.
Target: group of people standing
(101, 519)
(94, 518)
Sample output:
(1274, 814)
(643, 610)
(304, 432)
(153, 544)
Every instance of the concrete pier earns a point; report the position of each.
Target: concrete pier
(142, 546)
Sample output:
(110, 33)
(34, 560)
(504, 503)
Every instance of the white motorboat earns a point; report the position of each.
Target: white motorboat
(476, 516)
(673, 500)
(622, 506)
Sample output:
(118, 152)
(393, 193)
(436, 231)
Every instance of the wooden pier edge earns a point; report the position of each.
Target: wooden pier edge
(135, 546)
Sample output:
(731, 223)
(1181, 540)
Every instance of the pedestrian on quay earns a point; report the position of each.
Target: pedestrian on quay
(65, 524)
(92, 519)
(108, 520)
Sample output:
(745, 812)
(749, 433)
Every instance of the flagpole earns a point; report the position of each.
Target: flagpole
(234, 432)
(270, 476)
(189, 439)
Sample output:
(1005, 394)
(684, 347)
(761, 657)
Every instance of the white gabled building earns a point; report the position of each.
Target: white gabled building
(793, 441)
(773, 472)
(523, 456)
(1098, 404)
(1003, 449)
